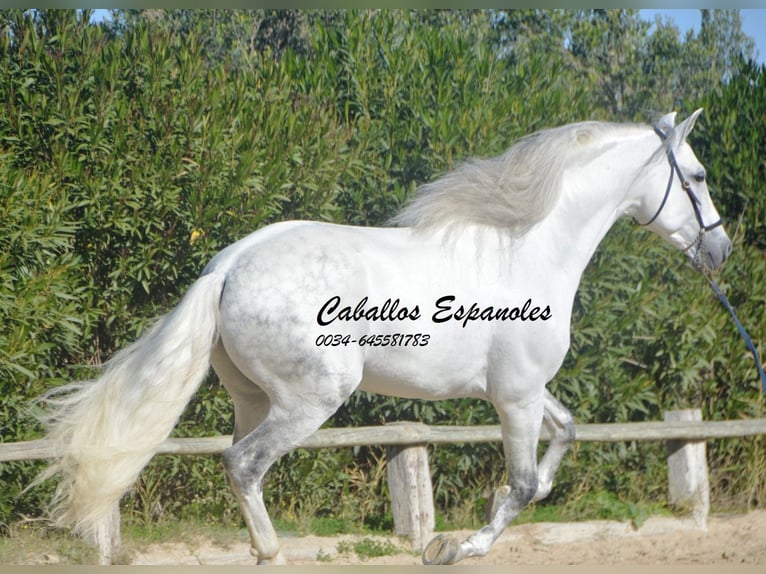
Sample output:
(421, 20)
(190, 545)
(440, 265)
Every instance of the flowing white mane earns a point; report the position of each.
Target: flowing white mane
(510, 192)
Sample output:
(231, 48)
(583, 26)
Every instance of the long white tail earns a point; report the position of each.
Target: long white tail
(106, 430)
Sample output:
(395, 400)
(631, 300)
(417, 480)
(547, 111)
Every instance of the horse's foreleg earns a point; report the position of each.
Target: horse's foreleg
(559, 422)
(521, 430)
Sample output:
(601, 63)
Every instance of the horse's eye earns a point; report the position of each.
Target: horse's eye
(699, 177)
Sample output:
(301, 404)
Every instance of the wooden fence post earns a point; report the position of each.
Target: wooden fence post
(409, 482)
(688, 486)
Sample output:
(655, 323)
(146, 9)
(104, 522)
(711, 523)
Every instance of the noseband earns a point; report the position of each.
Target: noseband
(676, 170)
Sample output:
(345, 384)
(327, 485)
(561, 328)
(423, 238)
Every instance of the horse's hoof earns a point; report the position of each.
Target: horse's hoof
(277, 560)
(441, 550)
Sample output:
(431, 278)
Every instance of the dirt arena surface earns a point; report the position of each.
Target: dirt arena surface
(732, 540)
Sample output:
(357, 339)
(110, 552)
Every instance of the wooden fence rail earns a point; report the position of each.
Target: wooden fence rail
(409, 477)
(407, 433)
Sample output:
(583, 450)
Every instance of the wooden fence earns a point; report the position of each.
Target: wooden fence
(408, 472)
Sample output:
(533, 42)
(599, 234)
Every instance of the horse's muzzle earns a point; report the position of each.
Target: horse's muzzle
(712, 249)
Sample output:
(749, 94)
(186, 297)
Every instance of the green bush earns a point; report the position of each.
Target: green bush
(732, 140)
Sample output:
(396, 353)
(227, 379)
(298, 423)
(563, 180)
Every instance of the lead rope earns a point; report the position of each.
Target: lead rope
(748, 341)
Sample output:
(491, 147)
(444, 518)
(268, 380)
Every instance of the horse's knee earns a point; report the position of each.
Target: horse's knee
(522, 491)
(518, 496)
(525, 492)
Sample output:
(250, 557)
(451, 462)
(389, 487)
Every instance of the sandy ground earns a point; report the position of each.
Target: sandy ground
(738, 539)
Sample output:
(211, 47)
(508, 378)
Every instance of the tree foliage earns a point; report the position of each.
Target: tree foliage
(133, 150)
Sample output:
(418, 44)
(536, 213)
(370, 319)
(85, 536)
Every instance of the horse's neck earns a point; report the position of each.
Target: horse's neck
(594, 196)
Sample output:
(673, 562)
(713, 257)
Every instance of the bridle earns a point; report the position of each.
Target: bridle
(676, 170)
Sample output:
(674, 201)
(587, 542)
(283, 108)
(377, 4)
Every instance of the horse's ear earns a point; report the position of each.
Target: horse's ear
(667, 123)
(686, 126)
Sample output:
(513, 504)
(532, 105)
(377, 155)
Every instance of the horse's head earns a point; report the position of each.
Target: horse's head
(675, 200)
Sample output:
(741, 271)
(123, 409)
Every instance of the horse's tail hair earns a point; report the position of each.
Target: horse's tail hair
(103, 432)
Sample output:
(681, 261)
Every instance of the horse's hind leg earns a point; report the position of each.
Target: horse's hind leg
(251, 406)
(251, 403)
(291, 418)
(246, 462)
(521, 430)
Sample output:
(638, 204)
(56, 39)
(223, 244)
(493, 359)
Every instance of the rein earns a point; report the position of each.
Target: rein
(676, 170)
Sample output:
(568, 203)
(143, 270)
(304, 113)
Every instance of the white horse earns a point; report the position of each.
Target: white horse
(471, 296)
